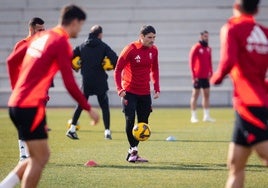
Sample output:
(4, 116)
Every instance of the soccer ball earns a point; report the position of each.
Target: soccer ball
(76, 63)
(69, 125)
(141, 131)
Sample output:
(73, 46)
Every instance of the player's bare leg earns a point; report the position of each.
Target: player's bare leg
(205, 105)
(193, 104)
(262, 151)
(237, 159)
(39, 155)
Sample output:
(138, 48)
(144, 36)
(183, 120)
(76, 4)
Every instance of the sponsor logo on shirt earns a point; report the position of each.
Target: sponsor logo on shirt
(138, 59)
(257, 41)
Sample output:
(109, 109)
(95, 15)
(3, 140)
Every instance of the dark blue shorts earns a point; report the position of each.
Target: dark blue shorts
(245, 133)
(201, 83)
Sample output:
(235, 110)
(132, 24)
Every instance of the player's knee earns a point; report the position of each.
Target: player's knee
(234, 166)
(45, 159)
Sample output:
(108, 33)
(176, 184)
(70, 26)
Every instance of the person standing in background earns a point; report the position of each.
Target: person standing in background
(94, 78)
(200, 62)
(35, 25)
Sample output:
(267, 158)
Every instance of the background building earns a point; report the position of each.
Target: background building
(178, 24)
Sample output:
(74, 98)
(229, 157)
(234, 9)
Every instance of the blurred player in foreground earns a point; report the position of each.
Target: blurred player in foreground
(136, 65)
(244, 56)
(46, 54)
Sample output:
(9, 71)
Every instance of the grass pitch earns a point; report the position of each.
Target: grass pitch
(196, 159)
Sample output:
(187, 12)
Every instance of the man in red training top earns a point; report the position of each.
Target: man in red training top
(35, 25)
(201, 68)
(136, 64)
(244, 56)
(47, 53)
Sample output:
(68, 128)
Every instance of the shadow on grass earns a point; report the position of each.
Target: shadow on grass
(167, 166)
(199, 141)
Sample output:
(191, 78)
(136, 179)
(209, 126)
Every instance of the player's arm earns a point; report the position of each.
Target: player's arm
(14, 62)
(210, 64)
(76, 51)
(111, 55)
(64, 58)
(228, 55)
(192, 59)
(155, 76)
(121, 63)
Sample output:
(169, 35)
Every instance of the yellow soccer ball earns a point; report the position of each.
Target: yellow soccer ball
(69, 125)
(76, 63)
(141, 131)
(107, 64)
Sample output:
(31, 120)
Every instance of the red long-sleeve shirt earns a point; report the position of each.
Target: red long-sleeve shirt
(200, 61)
(134, 67)
(41, 58)
(14, 70)
(244, 55)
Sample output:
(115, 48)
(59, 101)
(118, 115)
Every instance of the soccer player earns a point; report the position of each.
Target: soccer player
(94, 78)
(136, 64)
(35, 25)
(244, 55)
(47, 53)
(201, 68)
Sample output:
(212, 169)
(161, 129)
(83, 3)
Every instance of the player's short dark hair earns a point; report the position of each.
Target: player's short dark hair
(204, 32)
(146, 29)
(96, 30)
(34, 21)
(70, 13)
(249, 6)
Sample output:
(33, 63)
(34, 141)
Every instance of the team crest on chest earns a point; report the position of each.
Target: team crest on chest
(137, 59)
(150, 55)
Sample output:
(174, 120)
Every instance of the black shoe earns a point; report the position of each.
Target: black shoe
(72, 135)
(128, 155)
(108, 137)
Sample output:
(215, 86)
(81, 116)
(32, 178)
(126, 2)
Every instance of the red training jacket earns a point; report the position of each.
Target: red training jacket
(244, 55)
(41, 58)
(200, 61)
(134, 67)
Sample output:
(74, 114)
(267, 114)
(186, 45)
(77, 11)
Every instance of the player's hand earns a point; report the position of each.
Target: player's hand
(94, 116)
(156, 95)
(122, 94)
(216, 79)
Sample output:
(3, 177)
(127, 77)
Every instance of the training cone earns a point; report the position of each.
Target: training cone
(91, 163)
(171, 138)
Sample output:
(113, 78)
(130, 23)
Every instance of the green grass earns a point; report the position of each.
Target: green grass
(196, 159)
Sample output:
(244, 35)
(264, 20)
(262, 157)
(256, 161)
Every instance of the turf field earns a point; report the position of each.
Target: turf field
(196, 159)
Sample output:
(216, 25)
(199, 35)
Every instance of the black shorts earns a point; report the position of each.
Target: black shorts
(30, 122)
(140, 104)
(201, 83)
(245, 133)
